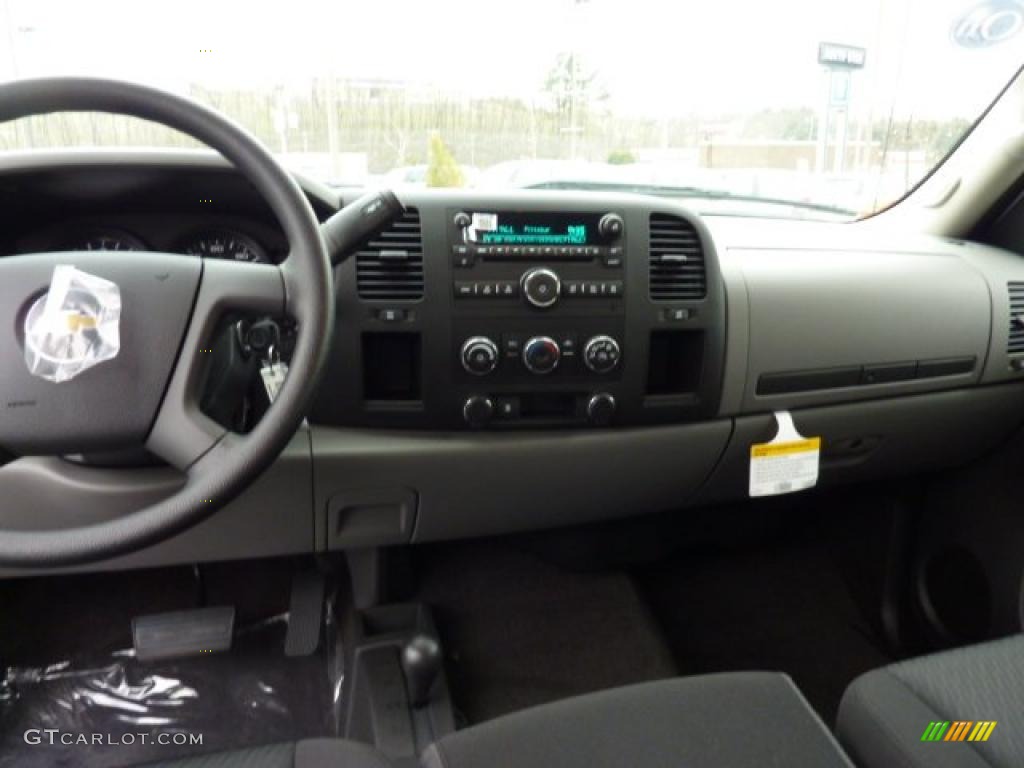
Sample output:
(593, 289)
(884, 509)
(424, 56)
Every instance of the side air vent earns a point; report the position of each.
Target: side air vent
(676, 260)
(390, 266)
(1015, 341)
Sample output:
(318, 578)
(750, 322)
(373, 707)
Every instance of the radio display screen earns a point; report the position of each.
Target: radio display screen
(539, 229)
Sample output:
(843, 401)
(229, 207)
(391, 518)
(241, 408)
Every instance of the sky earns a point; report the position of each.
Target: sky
(655, 58)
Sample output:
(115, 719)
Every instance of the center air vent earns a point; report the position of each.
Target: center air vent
(676, 260)
(1015, 341)
(390, 266)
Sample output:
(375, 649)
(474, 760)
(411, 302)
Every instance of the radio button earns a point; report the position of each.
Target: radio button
(572, 288)
(613, 257)
(479, 355)
(601, 354)
(613, 288)
(541, 287)
(508, 289)
(541, 354)
(465, 290)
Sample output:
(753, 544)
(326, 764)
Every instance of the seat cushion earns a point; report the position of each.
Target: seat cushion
(309, 753)
(735, 720)
(884, 714)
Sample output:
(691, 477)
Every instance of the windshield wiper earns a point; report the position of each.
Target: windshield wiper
(703, 193)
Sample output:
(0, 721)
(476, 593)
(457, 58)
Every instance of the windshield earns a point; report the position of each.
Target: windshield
(816, 108)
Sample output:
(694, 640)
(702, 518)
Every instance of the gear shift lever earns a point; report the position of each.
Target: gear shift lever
(421, 664)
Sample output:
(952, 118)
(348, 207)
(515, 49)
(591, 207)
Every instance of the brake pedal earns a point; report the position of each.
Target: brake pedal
(305, 614)
(183, 633)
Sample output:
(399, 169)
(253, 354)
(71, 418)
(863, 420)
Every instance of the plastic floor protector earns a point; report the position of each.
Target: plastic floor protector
(121, 711)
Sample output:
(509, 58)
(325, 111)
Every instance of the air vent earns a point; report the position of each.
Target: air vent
(676, 260)
(1015, 342)
(390, 266)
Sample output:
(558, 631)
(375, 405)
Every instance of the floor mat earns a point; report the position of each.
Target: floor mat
(778, 604)
(125, 712)
(63, 641)
(519, 632)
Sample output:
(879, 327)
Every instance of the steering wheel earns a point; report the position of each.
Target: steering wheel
(148, 394)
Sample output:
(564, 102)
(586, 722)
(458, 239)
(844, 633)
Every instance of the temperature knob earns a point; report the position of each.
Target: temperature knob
(601, 354)
(479, 355)
(541, 287)
(541, 354)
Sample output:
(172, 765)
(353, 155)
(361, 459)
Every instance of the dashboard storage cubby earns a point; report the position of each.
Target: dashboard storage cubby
(675, 362)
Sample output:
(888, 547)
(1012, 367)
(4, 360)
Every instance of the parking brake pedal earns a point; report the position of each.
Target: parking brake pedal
(183, 633)
(305, 613)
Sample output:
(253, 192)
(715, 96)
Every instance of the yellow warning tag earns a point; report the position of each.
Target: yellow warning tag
(787, 464)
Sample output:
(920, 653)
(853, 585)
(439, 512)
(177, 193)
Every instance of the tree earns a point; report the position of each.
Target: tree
(442, 168)
(621, 157)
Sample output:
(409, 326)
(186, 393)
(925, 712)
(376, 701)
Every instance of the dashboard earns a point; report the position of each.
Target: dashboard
(520, 360)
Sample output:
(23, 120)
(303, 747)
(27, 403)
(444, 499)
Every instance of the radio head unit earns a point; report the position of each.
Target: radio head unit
(519, 228)
(533, 234)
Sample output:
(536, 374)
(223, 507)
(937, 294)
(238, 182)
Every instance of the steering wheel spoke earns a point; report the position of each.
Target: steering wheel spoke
(182, 433)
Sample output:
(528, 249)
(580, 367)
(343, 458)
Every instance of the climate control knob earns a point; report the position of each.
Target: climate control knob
(479, 355)
(541, 287)
(601, 409)
(478, 410)
(541, 354)
(601, 354)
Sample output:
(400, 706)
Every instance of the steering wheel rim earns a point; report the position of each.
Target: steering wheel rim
(217, 464)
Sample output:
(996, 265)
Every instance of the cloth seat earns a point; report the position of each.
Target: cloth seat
(729, 720)
(884, 714)
(732, 720)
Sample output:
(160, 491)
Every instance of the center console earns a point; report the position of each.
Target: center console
(531, 310)
(539, 307)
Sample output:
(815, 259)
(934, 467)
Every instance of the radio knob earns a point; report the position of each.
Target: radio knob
(478, 410)
(541, 354)
(479, 355)
(601, 354)
(601, 409)
(611, 226)
(541, 287)
(462, 220)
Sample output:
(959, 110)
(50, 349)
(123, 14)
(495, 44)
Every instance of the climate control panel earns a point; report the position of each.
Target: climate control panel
(540, 354)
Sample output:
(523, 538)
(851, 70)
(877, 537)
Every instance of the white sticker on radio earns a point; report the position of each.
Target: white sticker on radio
(787, 464)
(485, 222)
